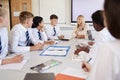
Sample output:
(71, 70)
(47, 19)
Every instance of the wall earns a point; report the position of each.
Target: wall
(36, 8)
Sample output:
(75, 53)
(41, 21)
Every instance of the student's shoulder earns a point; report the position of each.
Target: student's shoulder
(110, 43)
(3, 30)
(32, 29)
(17, 27)
(47, 27)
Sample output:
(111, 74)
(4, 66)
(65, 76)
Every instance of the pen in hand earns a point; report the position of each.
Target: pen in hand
(83, 66)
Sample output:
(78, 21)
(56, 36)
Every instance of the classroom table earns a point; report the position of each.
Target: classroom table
(36, 59)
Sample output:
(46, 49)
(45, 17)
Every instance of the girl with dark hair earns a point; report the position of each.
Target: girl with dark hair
(107, 64)
(38, 30)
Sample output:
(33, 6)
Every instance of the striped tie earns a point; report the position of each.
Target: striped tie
(39, 35)
(0, 46)
(54, 32)
(27, 39)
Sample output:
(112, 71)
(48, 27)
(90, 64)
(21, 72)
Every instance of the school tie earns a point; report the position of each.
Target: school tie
(54, 32)
(0, 46)
(39, 35)
(27, 39)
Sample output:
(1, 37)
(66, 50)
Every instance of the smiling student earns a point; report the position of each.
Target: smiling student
(21, 37)
(80, 30)
(38, 30)
(4, 41)
(53, 30)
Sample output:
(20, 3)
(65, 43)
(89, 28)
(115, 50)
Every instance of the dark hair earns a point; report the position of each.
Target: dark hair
(36, 21)
(0, 5)
(25, 15)
(112, 14)
(97, 17)
(53, 16)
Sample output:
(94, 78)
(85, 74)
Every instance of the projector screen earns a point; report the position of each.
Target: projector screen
(86, 8)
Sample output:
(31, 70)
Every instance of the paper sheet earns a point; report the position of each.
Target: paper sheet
(56, 51)
(15, 66)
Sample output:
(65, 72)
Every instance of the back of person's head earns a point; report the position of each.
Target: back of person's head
(24, 16)
(36, 21)
(2, 12)
(97, 18)
(112, 17)
(53, 16)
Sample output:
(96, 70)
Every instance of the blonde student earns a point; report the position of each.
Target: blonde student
(80, 30)
(38, 30)
(4, 41)
(21, 37)
(53, 30)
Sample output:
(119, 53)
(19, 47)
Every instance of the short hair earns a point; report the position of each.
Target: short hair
(3, 12)
(112, 14)
(53, 16)
(25, 15)
(97, 17)
(36, 21)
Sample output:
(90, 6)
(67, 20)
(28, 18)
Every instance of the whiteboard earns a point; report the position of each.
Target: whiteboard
(48, 7)
(86, 8)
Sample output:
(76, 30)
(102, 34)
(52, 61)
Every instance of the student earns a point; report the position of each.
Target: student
(4, 41)
(38, 30)
(103, 35)
(21, 37)
(80, 30)
(53, 30)
(107, 64)
(98, 24)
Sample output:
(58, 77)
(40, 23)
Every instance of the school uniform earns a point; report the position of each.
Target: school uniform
(80, 32)
(3, 43)
(52, 32)
(20, 39)
(107, 63)
(39, 35)
(102, 37)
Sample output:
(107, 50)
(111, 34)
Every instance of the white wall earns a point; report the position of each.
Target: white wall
(36, 10)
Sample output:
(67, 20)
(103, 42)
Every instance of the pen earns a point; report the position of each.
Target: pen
(89, 60)
(83, 66)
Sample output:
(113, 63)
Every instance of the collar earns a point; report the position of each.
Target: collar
(24, 28)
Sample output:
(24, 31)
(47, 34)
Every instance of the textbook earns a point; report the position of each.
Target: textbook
(67, 77)
(71, 73)
(39, 76)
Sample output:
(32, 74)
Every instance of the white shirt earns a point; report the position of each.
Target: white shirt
(79, 32)
(50, 32)
(102, 36)
(18, 37)
(107, 64)
(43, 34)
(4, 42)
